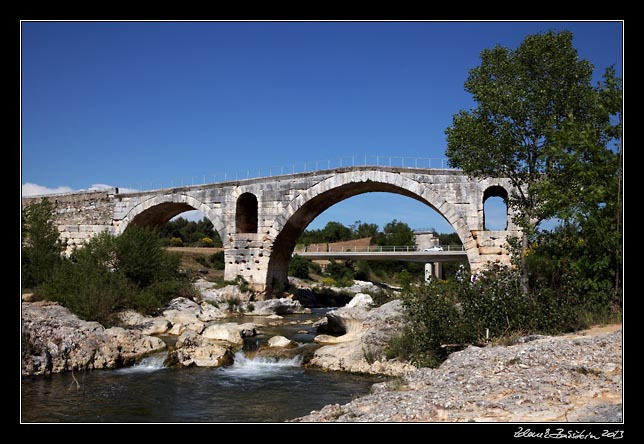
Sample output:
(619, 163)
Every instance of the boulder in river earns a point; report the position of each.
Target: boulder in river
(230, 332)
(194, 349)
(278, 306)
(280, 341)
(361, 347)
(191, 315)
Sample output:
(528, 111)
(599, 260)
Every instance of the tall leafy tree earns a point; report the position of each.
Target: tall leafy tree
(541, 123)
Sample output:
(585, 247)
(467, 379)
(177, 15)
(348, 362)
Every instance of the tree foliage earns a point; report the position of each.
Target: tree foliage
(111, 273)
(41, 245)
(541, 123)
(182, 232)
(396, 233)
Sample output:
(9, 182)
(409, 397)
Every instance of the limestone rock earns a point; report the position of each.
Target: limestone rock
(278, 306)
(194, 349)
(55, 340)
(361, 347)
(177, 329)
(146, 324)
(210, 313)
(280, 341)
(222, 295)
(133, 345)
(28, 297)
(186, 312)
(568, 378)
(230, 332)
(360, 300)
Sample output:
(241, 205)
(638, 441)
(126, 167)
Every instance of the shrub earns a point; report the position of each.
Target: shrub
(41, 245)
(299, 267)
(217, 260)
(176, 242)
(342, 273)
(206, 242)
(233, 303)
(111, 273)
(315, 267)
(444, 316)
(203, 261)
(142, 259)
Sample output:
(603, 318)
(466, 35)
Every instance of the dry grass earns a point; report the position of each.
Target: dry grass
(189, 257)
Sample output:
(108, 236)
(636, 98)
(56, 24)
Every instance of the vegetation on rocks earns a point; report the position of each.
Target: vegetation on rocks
(110, 273)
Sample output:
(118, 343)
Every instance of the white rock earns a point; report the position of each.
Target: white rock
(177, 329)
(278, 306)
(155, 326)
(279, 341)
(360, 300)
(230, 332)
(193, 349)
(210, 313)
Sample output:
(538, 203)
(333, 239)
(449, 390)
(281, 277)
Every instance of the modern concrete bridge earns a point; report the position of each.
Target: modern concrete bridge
(259, 220)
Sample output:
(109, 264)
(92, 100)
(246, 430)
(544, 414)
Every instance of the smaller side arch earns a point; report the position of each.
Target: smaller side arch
(499, 192)
(168, 206)
(246, 213)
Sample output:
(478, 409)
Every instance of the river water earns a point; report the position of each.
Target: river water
(253, 389)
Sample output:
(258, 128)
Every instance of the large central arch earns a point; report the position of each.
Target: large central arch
(312, 202)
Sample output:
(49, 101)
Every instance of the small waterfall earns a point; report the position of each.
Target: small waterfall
(243, 366)
(148, 364)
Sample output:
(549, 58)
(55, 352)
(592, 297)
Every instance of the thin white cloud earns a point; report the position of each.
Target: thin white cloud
(32, 189)
(104, 187)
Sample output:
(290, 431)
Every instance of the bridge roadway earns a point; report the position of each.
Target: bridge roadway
(407, 254)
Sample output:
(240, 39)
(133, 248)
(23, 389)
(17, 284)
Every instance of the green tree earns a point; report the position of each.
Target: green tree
(41, 244)
(142, 259)
(396, 233)
(299, 267)
(336, 232)
(540, 123)
(88, 283)
(361, 230)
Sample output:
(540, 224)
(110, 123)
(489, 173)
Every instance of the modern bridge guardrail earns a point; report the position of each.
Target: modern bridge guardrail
(294, 168)
(372, 249)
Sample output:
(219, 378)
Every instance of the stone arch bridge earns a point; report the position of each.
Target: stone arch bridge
(259, 220)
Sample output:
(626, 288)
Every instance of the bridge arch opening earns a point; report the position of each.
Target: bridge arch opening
(246, 214)
(304, 212)
(157, 211)
(495, 208)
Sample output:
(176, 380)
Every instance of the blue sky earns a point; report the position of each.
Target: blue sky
(149, 104)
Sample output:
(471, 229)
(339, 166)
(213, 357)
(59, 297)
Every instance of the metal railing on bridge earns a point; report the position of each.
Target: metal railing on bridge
(373, 249)
(292, 168)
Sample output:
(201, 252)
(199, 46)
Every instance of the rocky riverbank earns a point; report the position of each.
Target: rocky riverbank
(54, 340)
(364, 333)
(575, 377)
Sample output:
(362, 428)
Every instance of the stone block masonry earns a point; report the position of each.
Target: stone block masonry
(259, 220)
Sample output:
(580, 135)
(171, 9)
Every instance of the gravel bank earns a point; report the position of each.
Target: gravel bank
(576, 378)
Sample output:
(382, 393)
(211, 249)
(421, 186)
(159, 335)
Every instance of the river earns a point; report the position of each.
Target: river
(253, 389)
